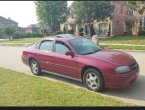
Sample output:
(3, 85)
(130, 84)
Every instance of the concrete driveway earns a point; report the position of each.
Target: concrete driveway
(10, 57)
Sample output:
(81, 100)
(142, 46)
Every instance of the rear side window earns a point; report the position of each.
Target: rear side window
(46, 45)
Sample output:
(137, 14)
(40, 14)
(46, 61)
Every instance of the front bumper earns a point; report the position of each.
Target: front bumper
(121, 81)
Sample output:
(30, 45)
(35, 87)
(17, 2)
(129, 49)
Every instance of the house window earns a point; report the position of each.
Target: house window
(130, 12)
(125, 29)
(121, 9)
(140, 23)
(144, 24)
(103, 28)
(86, 29)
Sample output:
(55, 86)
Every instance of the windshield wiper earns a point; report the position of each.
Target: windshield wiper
(91, 52)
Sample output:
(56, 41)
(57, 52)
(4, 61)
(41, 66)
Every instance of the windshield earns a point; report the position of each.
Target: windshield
(84, 46)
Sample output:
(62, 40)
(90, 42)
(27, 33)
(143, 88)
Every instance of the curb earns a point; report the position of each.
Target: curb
(130, 50)
(122, 44)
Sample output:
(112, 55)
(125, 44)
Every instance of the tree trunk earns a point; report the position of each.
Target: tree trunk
(10, 38)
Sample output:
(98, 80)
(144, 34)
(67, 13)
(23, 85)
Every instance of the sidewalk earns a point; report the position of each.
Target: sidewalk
(121, 44)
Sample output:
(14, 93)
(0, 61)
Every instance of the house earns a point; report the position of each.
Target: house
(8, 23)
(38, 29)
(139, 21)
(33, 28)
(4, 23)
(115, 24)
(21, 30)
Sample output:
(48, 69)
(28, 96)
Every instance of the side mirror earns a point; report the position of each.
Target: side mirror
(69, 53)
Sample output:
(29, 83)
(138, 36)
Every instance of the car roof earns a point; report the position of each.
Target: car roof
(62, 37)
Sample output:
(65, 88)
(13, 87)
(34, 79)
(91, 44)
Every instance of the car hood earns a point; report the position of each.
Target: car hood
(113, 56)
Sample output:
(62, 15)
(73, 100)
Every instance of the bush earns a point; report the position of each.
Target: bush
(141, 32)
(81, 31)
(27, 35)
(71, 31)
(60, 32)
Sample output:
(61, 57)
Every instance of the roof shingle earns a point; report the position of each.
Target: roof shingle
(6, 21)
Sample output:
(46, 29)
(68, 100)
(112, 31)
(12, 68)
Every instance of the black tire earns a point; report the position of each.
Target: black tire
(37, 70)
(93, 80)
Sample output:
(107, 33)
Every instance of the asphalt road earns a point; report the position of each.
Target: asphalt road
(10, 57)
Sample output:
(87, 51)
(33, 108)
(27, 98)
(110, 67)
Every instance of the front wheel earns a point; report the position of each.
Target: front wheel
(93, 80)
(35, 68)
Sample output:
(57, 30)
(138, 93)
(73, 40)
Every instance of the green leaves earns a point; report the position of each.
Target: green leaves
(88, 11)
(138, 6)
(51, 13)
(9, 31)
(129, 23)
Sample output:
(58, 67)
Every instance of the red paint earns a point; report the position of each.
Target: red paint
(105, 61)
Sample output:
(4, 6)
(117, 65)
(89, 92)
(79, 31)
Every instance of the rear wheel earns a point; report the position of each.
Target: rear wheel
(35, 68)
(93, 80)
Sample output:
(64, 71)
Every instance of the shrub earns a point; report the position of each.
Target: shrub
(141, 32)
(27, 35)
(60, 32)
(71, 31)
(92, 31)
(81, 34)
(81, 30)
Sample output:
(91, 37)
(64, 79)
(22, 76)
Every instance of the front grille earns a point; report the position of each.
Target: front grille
(134, 66)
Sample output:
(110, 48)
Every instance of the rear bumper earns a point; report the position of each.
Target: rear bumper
(122, 81)
(25, 60)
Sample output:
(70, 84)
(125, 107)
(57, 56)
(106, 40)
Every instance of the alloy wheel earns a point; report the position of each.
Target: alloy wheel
(92, 81)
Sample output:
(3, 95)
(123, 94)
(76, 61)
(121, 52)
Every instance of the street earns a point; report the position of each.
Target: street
(10, 57)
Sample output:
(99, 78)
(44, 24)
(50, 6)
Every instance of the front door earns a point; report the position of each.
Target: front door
(63, 64)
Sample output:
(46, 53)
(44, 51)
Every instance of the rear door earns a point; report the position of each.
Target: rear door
(45, 55)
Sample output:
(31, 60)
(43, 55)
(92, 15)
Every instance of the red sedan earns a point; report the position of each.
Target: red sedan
(80, 59)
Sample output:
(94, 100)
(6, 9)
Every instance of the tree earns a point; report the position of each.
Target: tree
(51, 13)
(9, 32)
(129, 25)
(88, 11)
(1, 32)
(138, 6)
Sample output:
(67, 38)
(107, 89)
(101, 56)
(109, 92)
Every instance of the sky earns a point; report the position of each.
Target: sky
(23, 12)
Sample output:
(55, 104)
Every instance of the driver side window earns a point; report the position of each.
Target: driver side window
(61, 47)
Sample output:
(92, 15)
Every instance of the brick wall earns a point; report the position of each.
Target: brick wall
(121, 12)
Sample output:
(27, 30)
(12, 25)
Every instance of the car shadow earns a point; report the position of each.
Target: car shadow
(135, 91)
(63, 79)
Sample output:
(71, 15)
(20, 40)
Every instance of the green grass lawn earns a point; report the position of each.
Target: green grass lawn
(23, 40)
(18, 89)
(14, 45)
(123, 47)
(124, 40)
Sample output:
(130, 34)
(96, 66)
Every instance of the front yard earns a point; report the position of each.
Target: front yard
(22, 41)
(133, 40)
(140, 40)
(18, 89)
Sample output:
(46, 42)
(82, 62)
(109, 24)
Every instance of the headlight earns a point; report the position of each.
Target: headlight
(122, 69)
